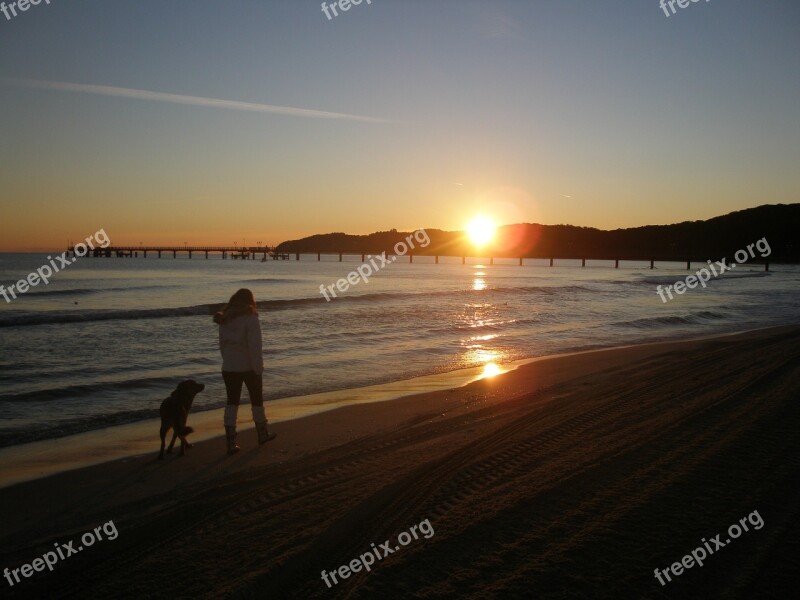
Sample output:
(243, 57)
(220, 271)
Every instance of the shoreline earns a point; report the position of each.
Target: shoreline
(627, 454)
(44, 458)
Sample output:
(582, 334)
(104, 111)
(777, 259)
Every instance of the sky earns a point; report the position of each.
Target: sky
(214, 122)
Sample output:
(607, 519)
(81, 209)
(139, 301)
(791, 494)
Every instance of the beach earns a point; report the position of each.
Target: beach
(570, 477)
(475, 300)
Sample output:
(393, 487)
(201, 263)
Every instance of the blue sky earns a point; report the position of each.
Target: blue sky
(604, 113)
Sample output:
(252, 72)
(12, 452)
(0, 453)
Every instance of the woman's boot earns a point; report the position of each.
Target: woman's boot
(260, 419)
(230, 440)
(231, 411)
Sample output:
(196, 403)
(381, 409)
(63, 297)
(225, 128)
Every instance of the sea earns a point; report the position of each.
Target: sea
(108, 338)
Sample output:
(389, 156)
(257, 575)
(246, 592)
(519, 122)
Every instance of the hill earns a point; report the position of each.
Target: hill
(712, 238)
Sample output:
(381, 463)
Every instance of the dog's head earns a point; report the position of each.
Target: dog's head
(188, 389)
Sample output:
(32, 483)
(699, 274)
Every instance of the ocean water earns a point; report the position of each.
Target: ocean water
(109, 338)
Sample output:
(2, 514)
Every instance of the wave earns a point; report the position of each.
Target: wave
(87, 291)
(159, 385)
(269, 280)
(741, 275)
(671, 279)
(75, 292)
(12, 437)
(22, 319)
(665, 321)
(662, 280)
(85, 316)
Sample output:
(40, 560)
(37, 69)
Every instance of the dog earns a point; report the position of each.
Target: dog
(174, 412)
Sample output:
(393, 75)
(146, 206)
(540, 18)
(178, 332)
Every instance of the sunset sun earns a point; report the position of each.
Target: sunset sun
(481, 230)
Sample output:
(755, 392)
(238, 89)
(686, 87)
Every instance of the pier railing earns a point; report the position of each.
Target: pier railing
(235, 252)
(267, 252)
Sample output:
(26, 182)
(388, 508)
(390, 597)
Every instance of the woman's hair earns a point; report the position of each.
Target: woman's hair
(243, 302)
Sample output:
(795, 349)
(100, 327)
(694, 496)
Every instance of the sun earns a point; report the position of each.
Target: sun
(481, 230)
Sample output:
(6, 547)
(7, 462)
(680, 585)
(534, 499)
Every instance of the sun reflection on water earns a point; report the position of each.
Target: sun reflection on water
(486, 359)
(479, 283)
(490, 370)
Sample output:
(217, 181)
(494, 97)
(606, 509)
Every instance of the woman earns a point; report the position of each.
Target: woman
(242, 362)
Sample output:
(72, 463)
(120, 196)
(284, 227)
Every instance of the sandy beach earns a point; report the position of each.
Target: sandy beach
(573, 477)
(507, 291)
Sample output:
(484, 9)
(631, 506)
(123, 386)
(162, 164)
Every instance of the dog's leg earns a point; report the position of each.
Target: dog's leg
(174, 437)
(187, 431)
(184, 445)
(184, 430)
(163, 440)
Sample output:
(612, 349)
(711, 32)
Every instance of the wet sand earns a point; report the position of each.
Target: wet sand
(573, 477)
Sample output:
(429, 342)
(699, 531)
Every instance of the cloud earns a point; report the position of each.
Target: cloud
(119, 92)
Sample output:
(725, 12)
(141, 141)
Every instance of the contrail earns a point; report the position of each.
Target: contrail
(107, 90)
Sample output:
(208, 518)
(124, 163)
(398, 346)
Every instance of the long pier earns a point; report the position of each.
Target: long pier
(267, 252)
(234, 252)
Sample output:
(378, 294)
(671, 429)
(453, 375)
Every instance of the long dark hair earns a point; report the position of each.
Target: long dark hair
(243, 302)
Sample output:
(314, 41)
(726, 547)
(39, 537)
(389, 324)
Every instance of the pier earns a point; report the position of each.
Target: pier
(270, 252)
(232, 252)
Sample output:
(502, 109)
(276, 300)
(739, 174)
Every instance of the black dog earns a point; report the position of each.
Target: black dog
(175, 411)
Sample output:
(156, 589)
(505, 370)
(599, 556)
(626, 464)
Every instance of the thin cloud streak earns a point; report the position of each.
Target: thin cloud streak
(107, 90)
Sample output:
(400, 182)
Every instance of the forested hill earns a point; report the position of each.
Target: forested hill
(709, 239)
